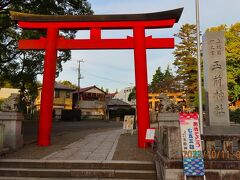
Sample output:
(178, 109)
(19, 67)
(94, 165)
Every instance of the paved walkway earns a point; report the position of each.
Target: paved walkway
(98, 146)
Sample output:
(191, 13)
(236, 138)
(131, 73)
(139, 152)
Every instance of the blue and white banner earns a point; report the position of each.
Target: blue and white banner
(193, 162)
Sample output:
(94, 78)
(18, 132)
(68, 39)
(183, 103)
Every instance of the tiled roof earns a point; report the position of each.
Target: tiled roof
(117, 102)
(63, 87)
(88, 88)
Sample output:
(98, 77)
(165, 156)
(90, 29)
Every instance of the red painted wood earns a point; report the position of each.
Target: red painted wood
(45, 122)
(103, 25)
(143, 119)
(95, 33)
(95, 43)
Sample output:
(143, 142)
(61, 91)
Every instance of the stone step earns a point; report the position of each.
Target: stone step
(38, 178)
(71, 164)
(77, 173)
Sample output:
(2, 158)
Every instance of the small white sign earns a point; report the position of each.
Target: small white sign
(150, 134)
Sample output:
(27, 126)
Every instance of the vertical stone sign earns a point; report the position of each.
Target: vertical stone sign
(215, 78)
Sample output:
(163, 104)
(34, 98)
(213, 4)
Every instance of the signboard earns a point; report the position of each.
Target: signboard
(128, 123)
(150, 134)
(191, 145)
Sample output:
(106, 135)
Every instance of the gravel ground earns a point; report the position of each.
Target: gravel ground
(127, 149)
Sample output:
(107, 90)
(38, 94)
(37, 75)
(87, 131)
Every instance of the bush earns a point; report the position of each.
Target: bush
(235, 116)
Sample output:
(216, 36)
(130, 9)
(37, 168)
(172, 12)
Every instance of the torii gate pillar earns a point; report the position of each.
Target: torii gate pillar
(141, 83)
(49, 73)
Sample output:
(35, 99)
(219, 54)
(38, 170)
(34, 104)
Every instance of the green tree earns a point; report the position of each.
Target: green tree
(163, 81)
(157, 78)
(22, 67)
(169, 81)
(186, 62)
(233, 60)
(132, 94)
(232, 46)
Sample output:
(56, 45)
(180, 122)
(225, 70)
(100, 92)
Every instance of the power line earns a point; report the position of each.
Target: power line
(112, 66)
(109, 79)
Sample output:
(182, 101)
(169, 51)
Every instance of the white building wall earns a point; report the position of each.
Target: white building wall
(123, 95)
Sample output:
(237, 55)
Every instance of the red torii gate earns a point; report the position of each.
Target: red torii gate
(95, 23)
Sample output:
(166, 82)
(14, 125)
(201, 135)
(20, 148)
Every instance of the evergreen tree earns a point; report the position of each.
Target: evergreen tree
(169, 82)
(157, 78)
(163, 82)
(186, 61)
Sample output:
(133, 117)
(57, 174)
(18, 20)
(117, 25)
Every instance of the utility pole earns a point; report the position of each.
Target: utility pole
(199, 68)
(79, 77)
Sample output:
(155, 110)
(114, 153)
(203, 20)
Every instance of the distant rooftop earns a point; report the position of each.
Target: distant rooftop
(117, 102)
(88, 88)
(63, 87)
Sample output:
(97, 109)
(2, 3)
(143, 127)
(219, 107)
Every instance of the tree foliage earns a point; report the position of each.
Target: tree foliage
(22, 67)
(186, 61)
(157, 78)
(132, 94)
(163, 81)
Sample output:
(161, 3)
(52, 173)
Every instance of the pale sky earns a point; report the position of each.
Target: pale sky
(114, 69)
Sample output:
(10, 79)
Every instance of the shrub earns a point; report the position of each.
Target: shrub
(235, 116)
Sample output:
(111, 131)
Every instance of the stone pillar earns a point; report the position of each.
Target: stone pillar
(215, 79)
(169, 136)
(12, 121)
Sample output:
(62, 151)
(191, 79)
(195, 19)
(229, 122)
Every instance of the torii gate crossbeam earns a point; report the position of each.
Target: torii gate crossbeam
(95, 23)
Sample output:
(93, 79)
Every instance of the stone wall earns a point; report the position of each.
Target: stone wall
(169, 142)
(215, 170)
(12, 129)
(169, 152)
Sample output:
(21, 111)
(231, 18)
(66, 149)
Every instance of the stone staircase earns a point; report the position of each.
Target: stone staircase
(66, 169)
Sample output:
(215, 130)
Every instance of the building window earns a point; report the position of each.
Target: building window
(67, 94)
(56, 94)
